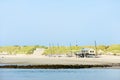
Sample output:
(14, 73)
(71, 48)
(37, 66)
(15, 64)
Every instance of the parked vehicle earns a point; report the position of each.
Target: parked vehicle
(86, 52)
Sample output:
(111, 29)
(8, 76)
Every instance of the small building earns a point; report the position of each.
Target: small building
(86, 52)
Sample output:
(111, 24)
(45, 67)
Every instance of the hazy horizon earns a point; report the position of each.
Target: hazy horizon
(63, 22)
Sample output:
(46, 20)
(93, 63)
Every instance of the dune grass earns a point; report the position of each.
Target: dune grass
(58, 49)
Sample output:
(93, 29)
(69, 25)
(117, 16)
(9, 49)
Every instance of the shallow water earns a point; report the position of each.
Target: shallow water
(59, 74)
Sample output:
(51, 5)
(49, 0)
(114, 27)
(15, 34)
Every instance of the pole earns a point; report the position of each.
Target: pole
(58, 51)
(50, 48)
(70, 50)
(96, 49)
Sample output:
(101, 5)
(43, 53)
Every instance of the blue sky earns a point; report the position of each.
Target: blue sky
(40, 22)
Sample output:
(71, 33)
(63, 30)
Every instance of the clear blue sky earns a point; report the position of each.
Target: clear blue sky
(40, 22)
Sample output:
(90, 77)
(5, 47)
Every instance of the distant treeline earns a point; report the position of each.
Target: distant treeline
(58, 49)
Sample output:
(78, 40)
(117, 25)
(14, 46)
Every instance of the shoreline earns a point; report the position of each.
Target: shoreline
(59, 66)
(43, 62)
(54, 66)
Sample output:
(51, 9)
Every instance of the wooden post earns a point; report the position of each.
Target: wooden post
(96, 49)
(70, 50)
(58, 51)
(76, 47)
(50, 49)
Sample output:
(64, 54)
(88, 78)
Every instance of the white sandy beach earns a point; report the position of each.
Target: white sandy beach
(41, 60)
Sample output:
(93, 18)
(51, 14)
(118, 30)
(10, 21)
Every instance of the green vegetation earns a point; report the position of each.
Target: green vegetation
(115, 49)
(62, 49)
(19, 49)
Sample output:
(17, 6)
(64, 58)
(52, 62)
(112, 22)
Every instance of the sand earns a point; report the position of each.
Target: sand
(43, 60)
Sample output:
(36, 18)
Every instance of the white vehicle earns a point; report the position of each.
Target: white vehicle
(86, 52)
